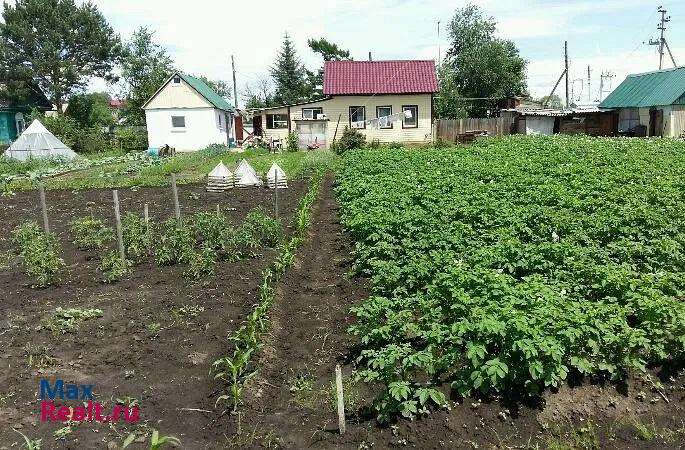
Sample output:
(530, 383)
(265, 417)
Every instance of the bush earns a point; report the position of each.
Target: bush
(40, 252)
(91, 140)
(67, 130)
(137, 236)
(90, 233)
(114, 267)
(130, 138)
(175, 243)
(263, 229)
(292, 142)
(350, 139)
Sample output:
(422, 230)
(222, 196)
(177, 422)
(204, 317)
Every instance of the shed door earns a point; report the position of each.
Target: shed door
(311, 132)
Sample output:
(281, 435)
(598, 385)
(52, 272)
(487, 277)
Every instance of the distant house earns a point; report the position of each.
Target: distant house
(650, 104)
(15, 107)
(187, 114)
(357, 93)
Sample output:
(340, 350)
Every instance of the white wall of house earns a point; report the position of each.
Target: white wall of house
(203, 126)
(677, 122)
(338, 106)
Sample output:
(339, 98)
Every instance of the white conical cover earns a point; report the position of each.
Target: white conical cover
(220, 171)
(248, 179)
(243, 168)
(37, 142)
(271, 177)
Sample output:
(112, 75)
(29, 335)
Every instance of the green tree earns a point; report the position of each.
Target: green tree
(221, 87)
(259, 94)
(91, 110)
(145, 67)
(290, 76)
(551, 101)
(329, 52)
(58, 44)
(479, 68)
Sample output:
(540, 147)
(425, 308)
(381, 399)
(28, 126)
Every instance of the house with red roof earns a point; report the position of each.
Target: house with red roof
(388, 101)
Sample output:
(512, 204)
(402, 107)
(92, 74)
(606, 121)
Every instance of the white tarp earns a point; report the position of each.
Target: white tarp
(220, 179)
(245, 175)
(37, 142)
(220, 171)
(243, 168)
(274, 175)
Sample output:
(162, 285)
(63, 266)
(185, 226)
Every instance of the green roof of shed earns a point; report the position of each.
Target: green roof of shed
(663, 87)
(207, 92)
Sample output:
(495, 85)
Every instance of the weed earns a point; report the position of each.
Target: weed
(127, 401)
(154, 328)
(30, 444)
(351, 395)
(187, 312)
(40, 252)
(38, 356)
(90, 233)
(114, 267)
(644, 431)
(62, 433)
(583, 438)
(156, 441)
(68, 320)
(302, 390)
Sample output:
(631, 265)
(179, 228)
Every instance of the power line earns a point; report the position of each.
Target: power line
(662, 40)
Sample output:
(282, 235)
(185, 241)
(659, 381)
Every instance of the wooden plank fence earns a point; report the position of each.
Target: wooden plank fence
(448, 129)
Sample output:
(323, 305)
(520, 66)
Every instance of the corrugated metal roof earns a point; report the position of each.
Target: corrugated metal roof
(664, 87)
(207, 92)
(379, 77)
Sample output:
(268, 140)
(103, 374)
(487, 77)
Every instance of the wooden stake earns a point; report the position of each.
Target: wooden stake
(174, 190)
(117, 219)
(146, 213)
(43, 207)
(276, 190)
(341, 401)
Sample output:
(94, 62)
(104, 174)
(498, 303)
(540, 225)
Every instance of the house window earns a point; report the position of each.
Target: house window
(220, 121)
(628, 119)
(357, 117)
(384, 111)
(177, 79)
(276, 121)
(178, 121)
(311, 113)
(411, 118)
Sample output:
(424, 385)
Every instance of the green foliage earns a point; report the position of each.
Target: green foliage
(114, 267)
(478, 65)
(351, 139)
(91, 110)
(175, 243)
(138, 236)
(130, 138)
(201, 264)
(67, 130)
(551, 101)
(262, 228)
(145, 66)
(516, 262)
(68, 320)
(59, 44)
(40, 252)
(292, 142)
(90, 233)
(289, 75)
(329, 52)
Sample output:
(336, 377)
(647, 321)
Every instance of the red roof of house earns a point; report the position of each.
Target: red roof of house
(115, 102)
(379, 77)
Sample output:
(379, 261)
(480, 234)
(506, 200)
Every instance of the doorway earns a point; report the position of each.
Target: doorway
(656, 122)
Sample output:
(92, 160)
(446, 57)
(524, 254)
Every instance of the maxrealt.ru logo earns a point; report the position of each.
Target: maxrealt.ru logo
(90, 411)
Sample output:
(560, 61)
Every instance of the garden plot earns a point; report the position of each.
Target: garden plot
(147, 340)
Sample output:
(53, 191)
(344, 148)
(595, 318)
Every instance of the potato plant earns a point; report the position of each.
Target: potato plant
(40, 252)
(510, 263)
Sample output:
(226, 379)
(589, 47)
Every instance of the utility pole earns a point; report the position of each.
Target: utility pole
(439, 52)
(589, 93)
(235, 91)
(566, 70)
(662, 39)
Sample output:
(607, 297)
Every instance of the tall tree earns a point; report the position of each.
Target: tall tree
(144, 67)
(290, 76)
(479, 68)
(91, 110)
(58, 44)
(329, 52)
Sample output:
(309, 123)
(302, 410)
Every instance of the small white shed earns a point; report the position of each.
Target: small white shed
(187, 114)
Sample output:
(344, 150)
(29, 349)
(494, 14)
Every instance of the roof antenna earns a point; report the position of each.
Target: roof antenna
(370, 59)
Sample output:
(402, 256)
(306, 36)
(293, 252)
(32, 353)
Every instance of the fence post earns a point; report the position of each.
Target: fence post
(174, 191)
(117, 219)
(341, 400)
(43, 206)
(276, 191)
(146, 213)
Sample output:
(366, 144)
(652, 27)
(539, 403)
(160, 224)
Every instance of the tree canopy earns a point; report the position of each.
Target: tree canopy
(221, 87)
(91, 110)
(290, 76)
(58, 44)
(145, 66)
(479, 68)
(329, 52)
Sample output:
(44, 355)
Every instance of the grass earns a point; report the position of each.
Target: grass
(190, 167)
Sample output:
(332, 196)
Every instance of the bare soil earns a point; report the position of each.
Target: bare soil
(167, 372)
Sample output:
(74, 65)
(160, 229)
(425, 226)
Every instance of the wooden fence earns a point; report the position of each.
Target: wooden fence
(449, 129)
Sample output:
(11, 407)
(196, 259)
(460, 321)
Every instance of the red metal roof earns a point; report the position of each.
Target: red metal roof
(379, 77)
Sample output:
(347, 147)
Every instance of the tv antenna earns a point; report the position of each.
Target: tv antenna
(662, 40)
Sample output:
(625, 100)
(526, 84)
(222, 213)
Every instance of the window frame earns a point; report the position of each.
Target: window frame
(175, 127)
(378, 116)
(416, 116)
(316, 111)
(270, 122)
(174, 82)
(357, 108)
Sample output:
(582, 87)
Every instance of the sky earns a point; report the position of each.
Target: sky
(607, 35)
